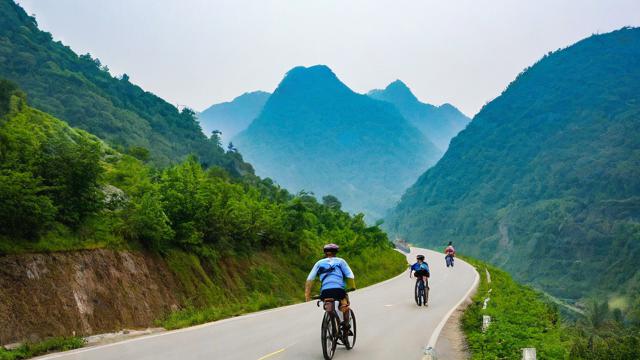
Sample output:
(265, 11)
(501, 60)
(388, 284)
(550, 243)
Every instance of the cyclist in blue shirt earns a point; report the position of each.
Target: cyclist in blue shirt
(421, 268)
(332, 272)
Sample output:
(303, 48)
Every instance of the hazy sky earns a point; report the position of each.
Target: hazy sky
(200, 52)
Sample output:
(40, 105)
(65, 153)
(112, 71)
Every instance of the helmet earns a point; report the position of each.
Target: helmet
(331, 248)
(420, 257)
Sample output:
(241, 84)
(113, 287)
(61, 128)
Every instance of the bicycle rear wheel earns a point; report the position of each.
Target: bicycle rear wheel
(350, 339)
(329, 335)
(417, 294)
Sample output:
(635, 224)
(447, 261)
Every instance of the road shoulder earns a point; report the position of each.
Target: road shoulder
(452, 344)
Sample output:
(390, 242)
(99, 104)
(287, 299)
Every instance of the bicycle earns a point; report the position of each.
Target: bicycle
(421, 291)
(332, 329)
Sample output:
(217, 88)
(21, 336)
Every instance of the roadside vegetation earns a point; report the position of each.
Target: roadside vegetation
(521, 317)
(29, 350)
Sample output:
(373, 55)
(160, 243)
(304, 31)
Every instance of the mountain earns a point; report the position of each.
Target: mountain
(80, 90)
(545, 181)
(316, 134)
(438, 123)
(234, 116)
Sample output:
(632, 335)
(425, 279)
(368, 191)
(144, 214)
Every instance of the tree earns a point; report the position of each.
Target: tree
(24, 211)
(231, 148)
(147, 222)
(71, 171)
(216, 137)
(331, 202)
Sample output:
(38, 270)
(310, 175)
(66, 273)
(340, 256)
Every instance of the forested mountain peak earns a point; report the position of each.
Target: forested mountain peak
(316, 134)
(305, 81)
(395, 92)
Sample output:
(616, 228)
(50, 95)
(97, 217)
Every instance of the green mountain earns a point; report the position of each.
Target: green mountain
(545, 181)
(316, 134)
(234, 116)
(438, 123)
(80, 90)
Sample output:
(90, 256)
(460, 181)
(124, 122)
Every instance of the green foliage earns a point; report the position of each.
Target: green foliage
(48, 170)
(545, 181)
(29, 350)
(145, 221)
(314, 133)
(24, 210)
(71, 173)
(80, 90)
(520, 317)
(604, 333)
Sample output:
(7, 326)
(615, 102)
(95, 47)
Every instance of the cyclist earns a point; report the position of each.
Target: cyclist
(332, 272)
(450, 253)
(421, 268)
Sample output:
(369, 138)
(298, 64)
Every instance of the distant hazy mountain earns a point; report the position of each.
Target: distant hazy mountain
(234, 116)
(545, 181)
(438, 123)
(316, 134)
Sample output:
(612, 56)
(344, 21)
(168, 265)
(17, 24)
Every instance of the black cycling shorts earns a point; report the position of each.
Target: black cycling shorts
(336, 293)
(421, 273)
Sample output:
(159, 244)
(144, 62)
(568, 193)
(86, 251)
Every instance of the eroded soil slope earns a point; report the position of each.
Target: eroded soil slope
(83, 291)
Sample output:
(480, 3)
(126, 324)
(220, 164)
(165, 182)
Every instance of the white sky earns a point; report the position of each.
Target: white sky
(200, 52)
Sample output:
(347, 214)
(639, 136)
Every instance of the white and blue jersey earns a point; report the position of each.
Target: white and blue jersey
(417, 266)
(331, 271)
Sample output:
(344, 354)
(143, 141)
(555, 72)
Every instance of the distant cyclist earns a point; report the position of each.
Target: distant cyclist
(332, 272)
(450, 253)
(420, 268)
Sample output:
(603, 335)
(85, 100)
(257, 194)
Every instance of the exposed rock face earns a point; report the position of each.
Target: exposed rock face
(85, 292)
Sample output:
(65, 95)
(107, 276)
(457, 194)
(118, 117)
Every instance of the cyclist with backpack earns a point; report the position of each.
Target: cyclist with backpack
(420, 268)
(332, 272)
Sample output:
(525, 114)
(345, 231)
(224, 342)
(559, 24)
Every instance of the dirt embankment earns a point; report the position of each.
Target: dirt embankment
(85, 292)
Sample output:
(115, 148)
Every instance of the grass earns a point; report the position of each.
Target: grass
(521, 318)
(223, 288)
(95, 234)
(29, 350)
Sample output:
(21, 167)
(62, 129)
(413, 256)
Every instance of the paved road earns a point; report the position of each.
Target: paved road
(390, 325)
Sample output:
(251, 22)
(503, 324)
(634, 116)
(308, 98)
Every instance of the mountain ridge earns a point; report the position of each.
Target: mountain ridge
(233, 116)
(439, 124)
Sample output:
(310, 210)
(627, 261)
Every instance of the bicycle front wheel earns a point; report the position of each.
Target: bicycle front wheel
(417, 294)
(350, 338)
(329, 336)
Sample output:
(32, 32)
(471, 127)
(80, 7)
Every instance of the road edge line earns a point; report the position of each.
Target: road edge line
(436, 333)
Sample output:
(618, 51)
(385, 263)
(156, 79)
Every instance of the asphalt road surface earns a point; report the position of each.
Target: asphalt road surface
(389, 325)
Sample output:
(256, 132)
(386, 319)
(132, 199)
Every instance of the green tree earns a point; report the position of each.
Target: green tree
(71, 172)
(24, 210)
(146, 221)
